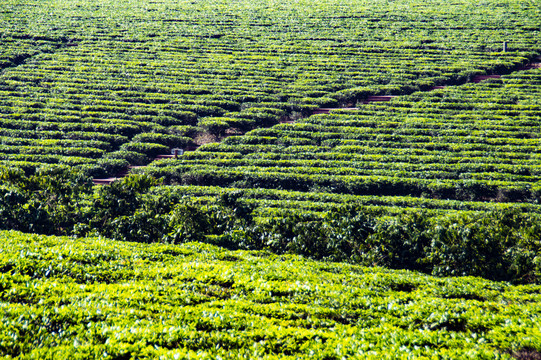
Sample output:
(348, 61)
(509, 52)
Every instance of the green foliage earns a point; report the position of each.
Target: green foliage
(183, 130)
(188, 222)
(149, 149)
(163, 139)
(47, 202)
(111, 165)
(106, 82)
(473, 143)
(132, 157)
(400, 242)
(214, 126)
(499, 245)
(228, 222)
(454, 172)
(496, 245)
(95, 298)
(113, 205)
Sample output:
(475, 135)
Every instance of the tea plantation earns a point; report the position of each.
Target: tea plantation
(353, 179)
(100, 85)
(66, 298)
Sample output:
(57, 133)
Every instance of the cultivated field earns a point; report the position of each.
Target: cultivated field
(90, 298)
(369, 135)
(100, 85)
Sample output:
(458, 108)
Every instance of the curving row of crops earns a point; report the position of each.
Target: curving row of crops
(476, 142)
(138, 78)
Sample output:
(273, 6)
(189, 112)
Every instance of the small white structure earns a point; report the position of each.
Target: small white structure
(177, 152)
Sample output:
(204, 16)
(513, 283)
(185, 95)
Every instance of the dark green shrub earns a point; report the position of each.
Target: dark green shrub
(399, 242)
(214, 126)
(183, 130)
(112, 166)
(132, 157)
(150, 149)
(171, 141)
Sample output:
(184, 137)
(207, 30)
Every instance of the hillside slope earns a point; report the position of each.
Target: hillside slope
(100, 85)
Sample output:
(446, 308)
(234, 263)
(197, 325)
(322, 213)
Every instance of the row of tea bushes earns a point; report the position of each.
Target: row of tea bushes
(79, 67)
(414, 145)
(95, 298)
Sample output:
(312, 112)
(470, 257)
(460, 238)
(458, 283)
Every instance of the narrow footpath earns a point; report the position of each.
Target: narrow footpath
(375, 98)
(476, 79)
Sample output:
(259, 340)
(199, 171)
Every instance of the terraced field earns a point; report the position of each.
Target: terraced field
(403, 134)
(461, 147)
(102, 85)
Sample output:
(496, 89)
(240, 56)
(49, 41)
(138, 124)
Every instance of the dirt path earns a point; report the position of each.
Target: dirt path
(375, 98)
(476, 79)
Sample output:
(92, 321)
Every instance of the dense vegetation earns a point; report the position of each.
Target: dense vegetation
(103, 84)
(499, 245)
(66, 298)
(204, 257)
(471, 142)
